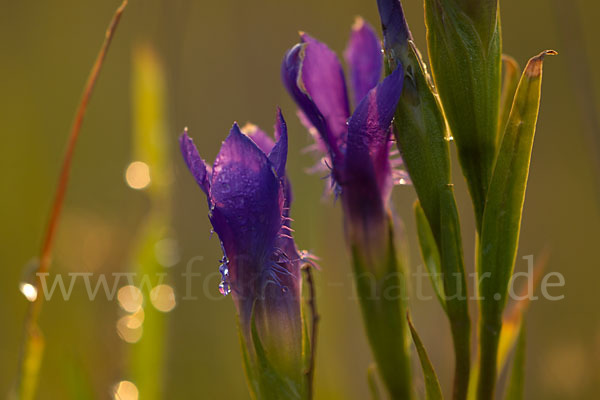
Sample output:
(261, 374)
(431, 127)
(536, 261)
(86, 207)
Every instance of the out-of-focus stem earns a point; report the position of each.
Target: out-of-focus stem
(31, 330)
(312, 303)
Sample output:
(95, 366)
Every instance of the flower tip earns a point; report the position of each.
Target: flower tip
(235, 128)
(280, 119)
(184, 135)
(280, 125)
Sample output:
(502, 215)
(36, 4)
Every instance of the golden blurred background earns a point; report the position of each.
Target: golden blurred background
(221, 62)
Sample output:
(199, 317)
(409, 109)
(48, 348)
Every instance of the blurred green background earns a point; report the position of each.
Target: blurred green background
(221, 60)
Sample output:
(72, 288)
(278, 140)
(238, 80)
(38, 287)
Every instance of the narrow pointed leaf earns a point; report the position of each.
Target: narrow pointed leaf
(432, 385)
(502, 218)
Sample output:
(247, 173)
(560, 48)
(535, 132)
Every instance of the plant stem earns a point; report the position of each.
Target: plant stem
(312, 303)
(489, 337)
(31, 329)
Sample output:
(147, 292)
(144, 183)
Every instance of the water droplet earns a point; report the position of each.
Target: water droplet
(224, 270)
(449, 138)
(224, 288)
(29, 291)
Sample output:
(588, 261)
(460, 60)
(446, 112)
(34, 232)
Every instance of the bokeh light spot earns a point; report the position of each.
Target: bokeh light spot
(129, 330)
(130, 298)
(137, 175)
(163, 298)
(126, 390)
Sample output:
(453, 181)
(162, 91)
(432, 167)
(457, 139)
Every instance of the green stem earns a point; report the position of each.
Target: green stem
(489, 336)
(380, 285)
(462, 354)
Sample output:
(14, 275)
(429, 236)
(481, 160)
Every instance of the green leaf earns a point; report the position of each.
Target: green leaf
(502, 217)
(516, 383)
(430, 254)
(509, 87)
(432, 385)
(464, 44)
(421, 135)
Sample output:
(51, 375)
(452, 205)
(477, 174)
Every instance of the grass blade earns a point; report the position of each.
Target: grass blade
(32, 346)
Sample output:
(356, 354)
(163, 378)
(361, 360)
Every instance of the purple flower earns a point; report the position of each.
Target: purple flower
(249, 198)
(358, 146)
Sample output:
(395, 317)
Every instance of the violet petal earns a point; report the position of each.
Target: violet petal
(364, 58)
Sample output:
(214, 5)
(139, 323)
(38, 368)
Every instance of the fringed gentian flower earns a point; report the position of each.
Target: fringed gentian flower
(358, 153)
(249, 198)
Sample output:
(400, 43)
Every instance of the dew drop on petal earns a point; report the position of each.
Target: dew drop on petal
(224, 288)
